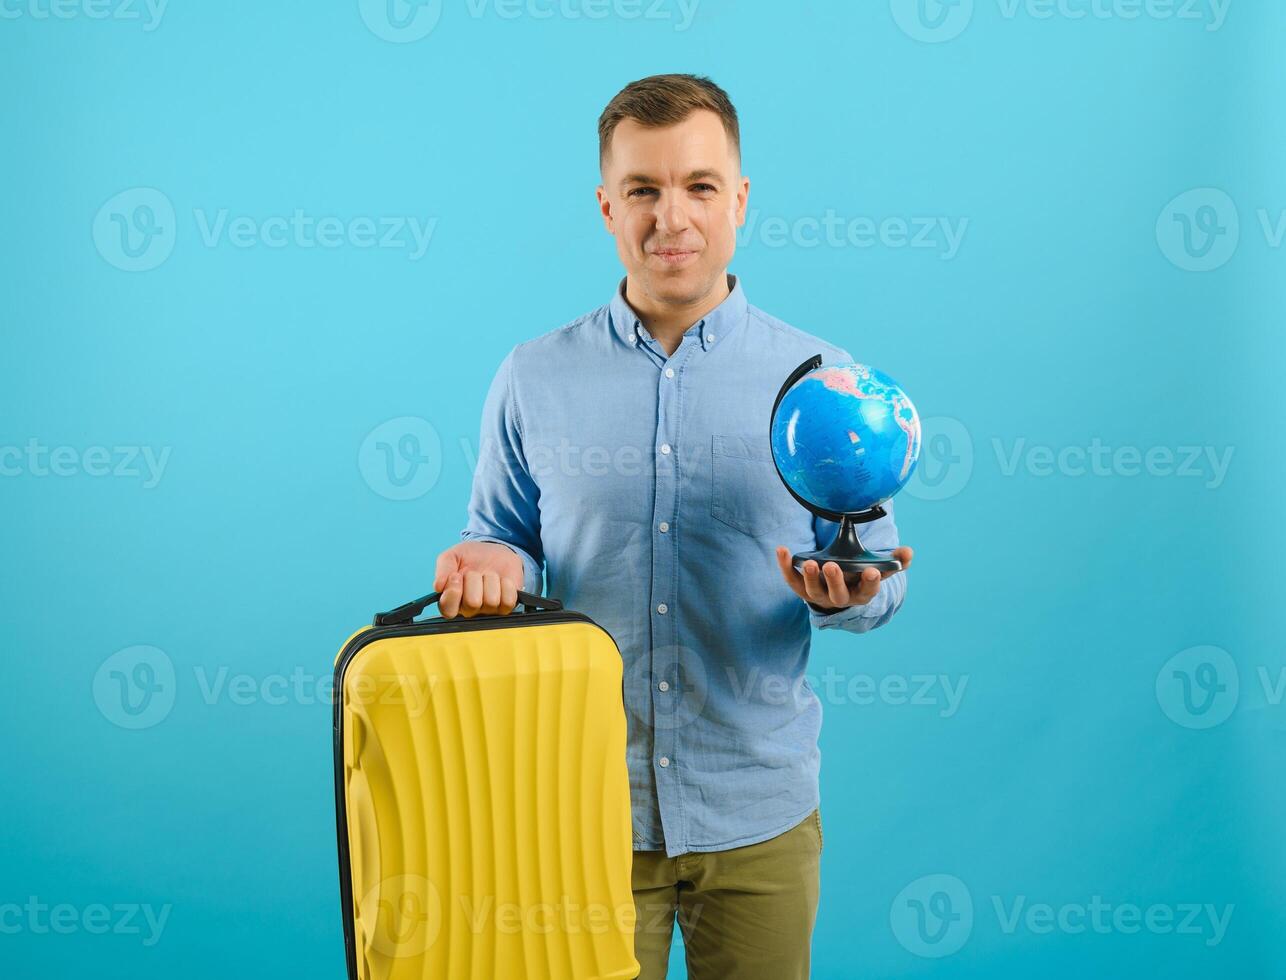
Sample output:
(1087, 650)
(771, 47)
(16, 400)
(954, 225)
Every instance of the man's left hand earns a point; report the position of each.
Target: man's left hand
(826, 588)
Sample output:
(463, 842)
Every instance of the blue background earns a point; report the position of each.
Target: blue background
(1071, 766)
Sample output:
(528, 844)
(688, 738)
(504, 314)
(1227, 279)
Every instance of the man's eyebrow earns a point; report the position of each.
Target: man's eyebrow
(704, 174)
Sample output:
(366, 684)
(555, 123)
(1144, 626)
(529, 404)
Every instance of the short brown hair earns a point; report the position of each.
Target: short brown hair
(664, 100)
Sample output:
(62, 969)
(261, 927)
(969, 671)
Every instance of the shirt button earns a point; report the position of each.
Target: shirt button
(664, 761)
(663, 686)
(669, 372)
(664, 526)
(710, 338)
(663, 609)
(665, 449)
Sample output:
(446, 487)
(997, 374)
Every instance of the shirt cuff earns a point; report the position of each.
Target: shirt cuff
(872, 610)
(531, 571)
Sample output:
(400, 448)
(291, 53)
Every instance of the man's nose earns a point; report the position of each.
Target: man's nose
(671, 216)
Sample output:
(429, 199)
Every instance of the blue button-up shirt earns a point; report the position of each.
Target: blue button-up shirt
(644, 485)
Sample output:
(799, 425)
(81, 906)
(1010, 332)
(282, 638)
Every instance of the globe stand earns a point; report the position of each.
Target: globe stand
(847, 551)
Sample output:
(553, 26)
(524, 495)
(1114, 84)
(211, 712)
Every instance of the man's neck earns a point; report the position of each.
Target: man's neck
(668, 323)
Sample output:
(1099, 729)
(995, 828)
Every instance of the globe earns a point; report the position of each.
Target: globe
(845, 438)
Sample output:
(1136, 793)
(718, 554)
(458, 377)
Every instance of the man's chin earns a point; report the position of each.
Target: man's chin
(679, 287)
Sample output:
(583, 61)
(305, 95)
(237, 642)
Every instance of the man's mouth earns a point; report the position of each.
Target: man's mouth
(674, 256)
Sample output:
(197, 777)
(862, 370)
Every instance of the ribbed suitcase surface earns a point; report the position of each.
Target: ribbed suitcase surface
(483, 801)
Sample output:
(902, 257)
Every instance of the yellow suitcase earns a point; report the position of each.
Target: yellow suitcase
(482, 797)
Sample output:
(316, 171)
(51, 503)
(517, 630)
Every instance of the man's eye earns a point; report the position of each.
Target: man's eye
(699, 188)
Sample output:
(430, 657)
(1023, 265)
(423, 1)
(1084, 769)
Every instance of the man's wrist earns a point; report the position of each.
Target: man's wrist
(825, 610)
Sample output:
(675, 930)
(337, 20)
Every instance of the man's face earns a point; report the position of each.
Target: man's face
(674, 198)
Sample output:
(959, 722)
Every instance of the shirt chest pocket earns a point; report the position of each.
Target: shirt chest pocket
(746, 492)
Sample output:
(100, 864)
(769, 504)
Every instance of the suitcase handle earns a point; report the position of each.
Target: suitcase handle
(407, 612)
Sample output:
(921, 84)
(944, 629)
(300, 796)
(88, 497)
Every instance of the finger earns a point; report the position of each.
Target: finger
(508, 596)
(449, 601)
(448, 562)
(867, 586)
(903, 555)
(490, 592)
(472, 600)
(792, 577)
(837, 593)
(814, 587)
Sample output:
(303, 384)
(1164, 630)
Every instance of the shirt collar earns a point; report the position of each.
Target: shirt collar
(715, 325)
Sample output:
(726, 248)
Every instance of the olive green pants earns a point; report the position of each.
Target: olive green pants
(746, 913)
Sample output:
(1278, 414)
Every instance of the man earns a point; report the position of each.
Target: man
(628, 453)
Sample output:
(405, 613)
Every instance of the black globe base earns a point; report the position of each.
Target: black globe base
(847, 550)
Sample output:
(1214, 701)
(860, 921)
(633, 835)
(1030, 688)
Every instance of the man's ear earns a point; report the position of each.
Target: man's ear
(743, 196)
(605, 208)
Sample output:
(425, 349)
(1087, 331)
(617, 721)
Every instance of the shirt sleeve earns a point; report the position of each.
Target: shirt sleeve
(503, 503)
(879, 535)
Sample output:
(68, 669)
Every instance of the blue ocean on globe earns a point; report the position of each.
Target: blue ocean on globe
(845, 438)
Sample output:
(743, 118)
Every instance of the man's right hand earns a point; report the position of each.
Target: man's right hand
(477, 577)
